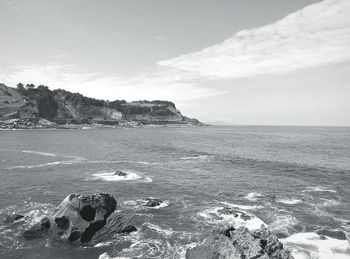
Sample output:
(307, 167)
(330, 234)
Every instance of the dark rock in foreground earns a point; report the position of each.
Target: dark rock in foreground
(77, 218)
(240, 243)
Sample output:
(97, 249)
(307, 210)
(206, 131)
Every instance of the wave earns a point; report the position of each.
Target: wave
(148, 163)
(289, 201)
(318, 189)
(106, 256)
(38, 153)
(196, 157)
(116, 176)
(253, 196)
(33, 212)
(283, 224)
(225, 216)
(329, 202)
(102, 244)
(242, 207)
(312, 245)
(158, 229)
(74, 160)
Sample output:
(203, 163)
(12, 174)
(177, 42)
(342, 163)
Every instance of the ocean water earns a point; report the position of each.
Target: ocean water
(293, 179)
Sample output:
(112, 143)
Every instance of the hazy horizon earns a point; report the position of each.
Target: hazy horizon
(237, 63)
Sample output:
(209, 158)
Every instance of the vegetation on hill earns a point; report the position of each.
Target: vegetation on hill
(61, 106)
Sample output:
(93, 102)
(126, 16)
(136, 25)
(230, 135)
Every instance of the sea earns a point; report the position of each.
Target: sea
(294, 180)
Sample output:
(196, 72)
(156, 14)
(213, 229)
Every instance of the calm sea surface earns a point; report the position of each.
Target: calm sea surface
(294, 179)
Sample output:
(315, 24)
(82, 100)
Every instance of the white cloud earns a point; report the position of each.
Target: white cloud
(316, 35)
(165, 84)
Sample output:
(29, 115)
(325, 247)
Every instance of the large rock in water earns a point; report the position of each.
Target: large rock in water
(77, 218)
(240, 243)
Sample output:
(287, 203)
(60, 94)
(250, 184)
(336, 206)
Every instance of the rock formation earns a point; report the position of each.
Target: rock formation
(77, 218)
(40, 107)
(240, 243)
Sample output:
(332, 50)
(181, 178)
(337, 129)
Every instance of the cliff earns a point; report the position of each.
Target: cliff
(32, 106)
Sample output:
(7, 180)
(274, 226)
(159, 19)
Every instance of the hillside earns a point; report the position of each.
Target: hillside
(32, 106)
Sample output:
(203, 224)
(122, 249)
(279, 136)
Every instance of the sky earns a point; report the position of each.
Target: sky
(253, 62)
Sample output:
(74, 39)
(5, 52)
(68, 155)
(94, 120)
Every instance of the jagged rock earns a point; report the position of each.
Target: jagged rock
(215, 247)
(76, 218)
(239, 243)
(151, 202)
(12, 218)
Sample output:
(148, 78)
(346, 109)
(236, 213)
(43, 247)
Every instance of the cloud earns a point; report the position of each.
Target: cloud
(316, 35)
(165, 84)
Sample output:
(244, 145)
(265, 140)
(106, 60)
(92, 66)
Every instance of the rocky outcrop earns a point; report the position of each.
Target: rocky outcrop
(240, 243)
(19, 107)
(77, 218)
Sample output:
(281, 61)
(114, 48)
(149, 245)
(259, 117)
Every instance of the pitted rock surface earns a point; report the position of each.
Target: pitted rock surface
(78, 217)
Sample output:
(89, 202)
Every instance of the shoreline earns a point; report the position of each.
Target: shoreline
(43, 124)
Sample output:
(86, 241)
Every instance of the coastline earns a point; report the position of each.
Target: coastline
(43, 124)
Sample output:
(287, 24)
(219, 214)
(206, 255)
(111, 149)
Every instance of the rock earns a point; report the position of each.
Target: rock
(76, 218)
(240, 243)
(38, 229)
(120, 173)
(217, 246)
(249, 246)
(151, 202)
(128, 229)
(12, 218)
(236, 213)
(337, 234)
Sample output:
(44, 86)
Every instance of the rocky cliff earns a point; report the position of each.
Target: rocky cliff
(31, 106)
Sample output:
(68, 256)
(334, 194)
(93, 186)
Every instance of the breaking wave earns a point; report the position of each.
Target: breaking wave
(319, 189)
(312, 245)
(289, 201)
(116, 176)
(228, 216)
(253, 196)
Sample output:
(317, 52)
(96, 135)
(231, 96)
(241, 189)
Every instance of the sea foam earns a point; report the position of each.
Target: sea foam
(253, 196)
(115, 177)
(214, 216)
(289, 201)
(312, 245)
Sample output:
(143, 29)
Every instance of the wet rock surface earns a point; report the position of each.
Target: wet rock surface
(76, 218)
(240, 243)
(152, 202)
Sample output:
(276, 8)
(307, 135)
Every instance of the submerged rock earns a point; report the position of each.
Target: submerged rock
(151, 202)
(120, 173)
(76, 218)
(12, 218)
(240, 243)
(235, 213)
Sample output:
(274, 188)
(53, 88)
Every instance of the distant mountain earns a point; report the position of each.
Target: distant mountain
(40, 105)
